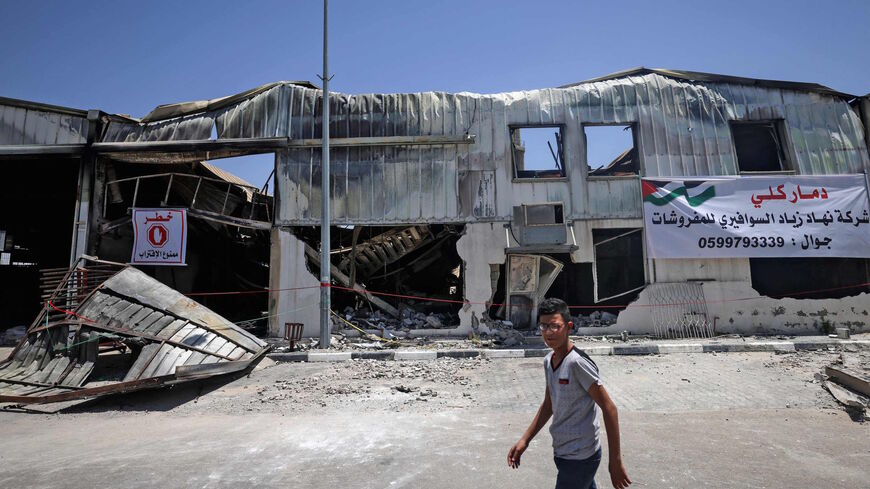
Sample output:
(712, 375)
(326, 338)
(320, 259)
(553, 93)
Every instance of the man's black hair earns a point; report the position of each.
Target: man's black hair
(554, 306)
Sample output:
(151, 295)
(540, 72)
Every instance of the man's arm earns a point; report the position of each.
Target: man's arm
(618, 476)
(544, 413)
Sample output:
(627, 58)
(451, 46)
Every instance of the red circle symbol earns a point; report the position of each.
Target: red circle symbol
(158, 235)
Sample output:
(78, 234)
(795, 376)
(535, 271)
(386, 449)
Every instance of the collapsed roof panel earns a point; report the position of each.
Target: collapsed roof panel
(173, 339)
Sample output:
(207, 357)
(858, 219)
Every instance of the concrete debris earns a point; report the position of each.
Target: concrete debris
(848, 380)
(395, 385)
(504, 334)
(336, 342)
(433, 321)
(12, 336)
(848, 398)
(595, 319)
(408, 320)
(853, 379)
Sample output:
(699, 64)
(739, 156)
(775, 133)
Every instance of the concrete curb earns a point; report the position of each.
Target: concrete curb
(339, 356)
(459, 353)
(416, 355)
(504, 353)
(635, 349)
(667, 348)
(373, 355)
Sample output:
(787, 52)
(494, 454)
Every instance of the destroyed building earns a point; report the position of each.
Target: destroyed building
(472, 206)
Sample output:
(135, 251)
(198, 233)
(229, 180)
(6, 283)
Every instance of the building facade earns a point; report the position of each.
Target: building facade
(499, 192)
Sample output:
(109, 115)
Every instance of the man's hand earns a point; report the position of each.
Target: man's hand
(618, 476)
(516, 452)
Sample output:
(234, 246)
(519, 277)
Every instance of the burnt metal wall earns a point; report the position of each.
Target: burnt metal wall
(682, 129)
(29, 125)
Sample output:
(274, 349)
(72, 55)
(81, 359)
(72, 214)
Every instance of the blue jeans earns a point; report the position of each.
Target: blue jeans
(577, 474)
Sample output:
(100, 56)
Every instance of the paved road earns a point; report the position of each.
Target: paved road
(748, 420)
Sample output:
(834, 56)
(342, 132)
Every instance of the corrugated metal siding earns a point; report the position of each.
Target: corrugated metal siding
(682, 130)
(613, 197)
(189, 127)
(106, 308)
(19, 125)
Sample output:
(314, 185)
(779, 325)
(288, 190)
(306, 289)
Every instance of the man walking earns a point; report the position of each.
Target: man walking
(573, 397)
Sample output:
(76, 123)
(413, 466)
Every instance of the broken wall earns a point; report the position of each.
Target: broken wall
(289, 270)
(481, 246)
(736, 308)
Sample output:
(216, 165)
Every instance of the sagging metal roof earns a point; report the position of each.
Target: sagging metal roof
(177, 339)
(168, 111)
(697, 76)
(682, 127)
(462, 171)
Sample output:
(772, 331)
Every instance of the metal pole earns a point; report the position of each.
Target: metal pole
(325, 279)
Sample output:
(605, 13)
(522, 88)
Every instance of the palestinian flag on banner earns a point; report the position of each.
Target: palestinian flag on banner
(660, 193)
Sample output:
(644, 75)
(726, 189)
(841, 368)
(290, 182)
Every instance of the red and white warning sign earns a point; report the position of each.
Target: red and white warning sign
(159, 236)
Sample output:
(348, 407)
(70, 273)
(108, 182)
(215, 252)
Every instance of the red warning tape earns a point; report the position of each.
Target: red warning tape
(488, 304)
(69, 312)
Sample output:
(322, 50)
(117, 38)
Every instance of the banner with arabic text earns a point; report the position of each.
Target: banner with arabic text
(770, 216)
(159, 237)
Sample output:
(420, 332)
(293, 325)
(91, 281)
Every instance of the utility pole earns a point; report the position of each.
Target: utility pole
(325, 272)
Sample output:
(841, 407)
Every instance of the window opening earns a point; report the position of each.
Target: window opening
(759, 146)
(610, 150)
(619, 262)
(537, 152)
(256, 170)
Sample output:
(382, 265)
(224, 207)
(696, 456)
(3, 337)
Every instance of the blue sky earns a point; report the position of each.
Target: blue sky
(127, 57)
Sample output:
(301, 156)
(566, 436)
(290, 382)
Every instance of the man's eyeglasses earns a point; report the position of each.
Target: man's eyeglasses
(550, 326)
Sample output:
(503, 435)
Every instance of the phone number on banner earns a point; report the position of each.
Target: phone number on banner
(742, 242)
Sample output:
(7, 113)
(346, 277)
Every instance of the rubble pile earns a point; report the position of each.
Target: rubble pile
(12, 336)
(410, 319)
(503, 333)
(595, 319)
(397, 383)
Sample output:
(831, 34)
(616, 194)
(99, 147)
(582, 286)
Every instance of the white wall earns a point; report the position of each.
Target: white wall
(737, 308)
(481, 245)
(288, 270)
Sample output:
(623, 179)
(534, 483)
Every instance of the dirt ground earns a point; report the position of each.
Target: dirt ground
(688, 420)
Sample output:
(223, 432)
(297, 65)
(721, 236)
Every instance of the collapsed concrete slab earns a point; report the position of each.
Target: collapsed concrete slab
(135, 331)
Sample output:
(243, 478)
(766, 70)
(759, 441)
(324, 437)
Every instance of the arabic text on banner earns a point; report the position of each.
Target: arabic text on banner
(159, 237)
(776, 216)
